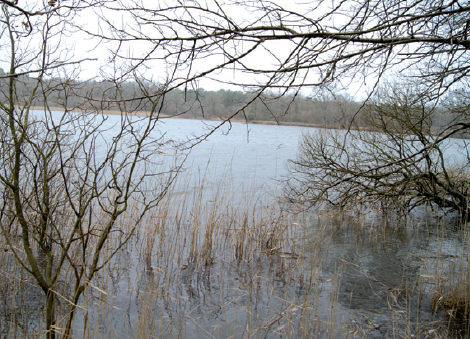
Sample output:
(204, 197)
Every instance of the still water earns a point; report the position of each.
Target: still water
(383, 280)
(330, 275)
(239, 154)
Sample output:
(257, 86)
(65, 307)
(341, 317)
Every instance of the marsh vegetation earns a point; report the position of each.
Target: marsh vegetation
(221, 257)
(106, 233)
(216, 270)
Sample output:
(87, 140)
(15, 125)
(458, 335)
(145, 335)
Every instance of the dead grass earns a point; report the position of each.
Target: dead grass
(452, 286)
(219, 266)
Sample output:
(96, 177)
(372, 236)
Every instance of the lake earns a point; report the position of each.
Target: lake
(219, 258)
(240, 155)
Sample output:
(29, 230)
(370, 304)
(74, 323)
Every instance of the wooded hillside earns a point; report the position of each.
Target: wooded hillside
(322, 109)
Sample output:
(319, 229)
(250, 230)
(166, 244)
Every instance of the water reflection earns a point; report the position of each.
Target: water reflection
(325, 275)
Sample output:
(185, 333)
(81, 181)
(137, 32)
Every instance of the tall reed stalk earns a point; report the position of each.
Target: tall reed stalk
(208, 264)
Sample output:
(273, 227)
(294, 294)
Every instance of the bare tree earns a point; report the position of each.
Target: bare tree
(67, 180)
(75, 183)
(401, 161)
(288, 46)
(269, 45)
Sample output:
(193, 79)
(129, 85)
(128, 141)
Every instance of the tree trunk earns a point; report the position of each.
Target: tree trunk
(50, 309)
(69, 322)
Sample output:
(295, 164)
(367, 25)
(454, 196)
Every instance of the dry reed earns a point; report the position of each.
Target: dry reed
(212, 265)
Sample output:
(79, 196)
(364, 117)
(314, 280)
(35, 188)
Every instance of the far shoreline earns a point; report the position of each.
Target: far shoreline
(167, 116)
(237, 119)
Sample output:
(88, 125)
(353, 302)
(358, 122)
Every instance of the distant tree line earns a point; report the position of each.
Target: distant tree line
(328, 110)
(324, 110)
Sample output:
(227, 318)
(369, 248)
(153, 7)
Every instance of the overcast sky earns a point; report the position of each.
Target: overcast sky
(80, 45)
